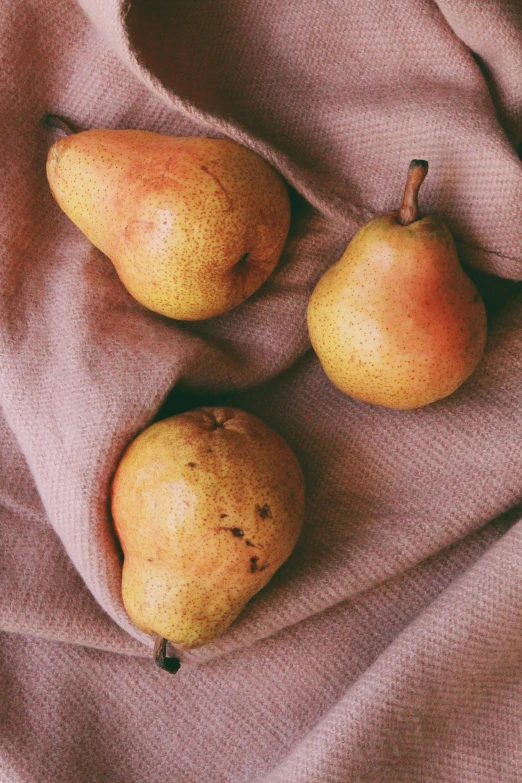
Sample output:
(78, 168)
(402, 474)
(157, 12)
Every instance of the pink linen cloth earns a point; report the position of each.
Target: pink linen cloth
(389, 648)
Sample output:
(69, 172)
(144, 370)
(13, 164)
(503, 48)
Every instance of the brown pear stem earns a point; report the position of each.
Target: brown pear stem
(409, 211)
(160, 656)
(52, 121)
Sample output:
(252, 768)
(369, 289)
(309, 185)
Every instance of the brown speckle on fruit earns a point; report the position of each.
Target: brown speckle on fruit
(264, 511)
(236, 531)
(254, 565)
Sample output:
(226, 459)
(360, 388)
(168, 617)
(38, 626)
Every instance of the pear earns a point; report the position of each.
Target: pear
(193, 226)
(396, 321)
(207, 505)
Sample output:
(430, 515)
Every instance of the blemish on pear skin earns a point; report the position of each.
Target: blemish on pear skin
(264, 511)
(166, 168)
(254, 565)
(236, 531)
(220, 185)
(143, 223)
(191, 465)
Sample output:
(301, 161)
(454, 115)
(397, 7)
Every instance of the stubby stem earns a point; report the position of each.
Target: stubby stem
(160, 656)
(409, 211)
(58, 123)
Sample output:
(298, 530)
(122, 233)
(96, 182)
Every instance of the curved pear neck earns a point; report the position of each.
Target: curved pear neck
(409, 210)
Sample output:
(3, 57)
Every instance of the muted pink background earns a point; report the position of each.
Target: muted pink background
(389, 647)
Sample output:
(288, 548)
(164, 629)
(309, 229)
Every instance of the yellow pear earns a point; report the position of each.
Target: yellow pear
(396, 321)
(193, 226)
(207, 505)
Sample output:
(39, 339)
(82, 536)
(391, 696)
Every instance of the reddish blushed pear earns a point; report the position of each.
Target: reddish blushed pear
(396, 321)
(193, 226)
(207, 505)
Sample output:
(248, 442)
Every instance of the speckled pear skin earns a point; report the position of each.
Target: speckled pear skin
(193, 226)
(207, 505)
(396, 321)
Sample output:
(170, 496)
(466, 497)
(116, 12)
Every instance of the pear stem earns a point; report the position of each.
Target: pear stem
(409, 211)
(52, 121)
(170, 665)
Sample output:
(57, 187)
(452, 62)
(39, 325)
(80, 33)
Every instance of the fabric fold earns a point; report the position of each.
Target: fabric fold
(386, 648)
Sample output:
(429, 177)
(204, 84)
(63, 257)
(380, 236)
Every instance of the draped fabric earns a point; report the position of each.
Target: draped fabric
(388, 649)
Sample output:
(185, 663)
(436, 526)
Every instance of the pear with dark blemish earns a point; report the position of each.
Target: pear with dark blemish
(396, 321)
(193, 226)
(207, 505)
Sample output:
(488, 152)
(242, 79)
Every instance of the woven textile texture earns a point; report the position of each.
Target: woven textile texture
(388, 649)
